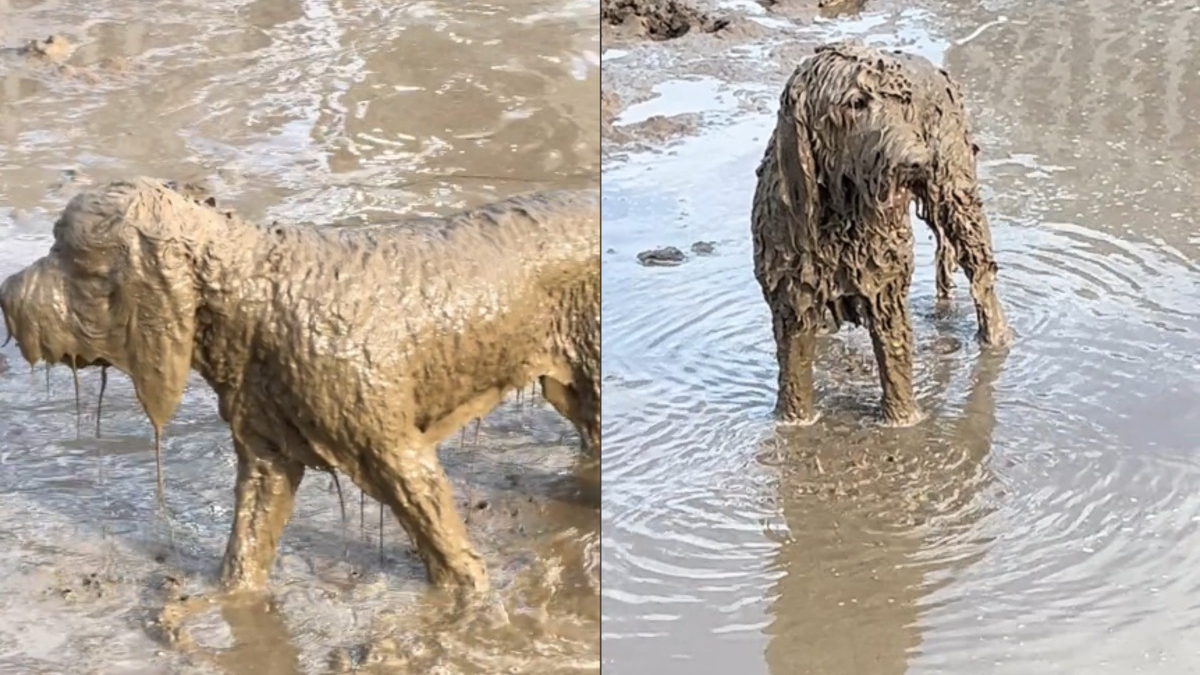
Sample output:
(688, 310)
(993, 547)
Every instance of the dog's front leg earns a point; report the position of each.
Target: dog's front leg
(412, 483)
(266, 487)
(795, 351)
(892, 338)
(972, 242)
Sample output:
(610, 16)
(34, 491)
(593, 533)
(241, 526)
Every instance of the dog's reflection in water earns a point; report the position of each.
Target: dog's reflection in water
(861, 507)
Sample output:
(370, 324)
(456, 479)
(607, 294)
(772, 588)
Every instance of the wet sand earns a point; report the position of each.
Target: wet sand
(1044, 518)
(341, 113)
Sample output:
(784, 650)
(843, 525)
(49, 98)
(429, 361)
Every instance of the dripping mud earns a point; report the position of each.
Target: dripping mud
(107, 575)
(1051, 485)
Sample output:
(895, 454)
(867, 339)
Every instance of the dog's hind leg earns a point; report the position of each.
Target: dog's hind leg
(795, 351)
(892, 338)
(582, 410)
(411, 481)
(573, 388)
(266, 487)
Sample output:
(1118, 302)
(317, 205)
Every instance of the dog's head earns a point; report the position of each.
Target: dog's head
(865, 124)
(118, 288)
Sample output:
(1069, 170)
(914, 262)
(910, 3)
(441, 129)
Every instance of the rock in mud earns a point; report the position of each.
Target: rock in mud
(667, 256)
(658, 19)
(611, 106)
(52, 55)
(805, 9)
(54, 49)
(842, 5)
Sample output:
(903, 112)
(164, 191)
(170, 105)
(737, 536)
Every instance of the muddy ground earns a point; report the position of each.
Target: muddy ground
(340, 113)
(1044, 517)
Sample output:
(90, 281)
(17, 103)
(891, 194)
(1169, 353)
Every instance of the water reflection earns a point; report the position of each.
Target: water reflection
(860, 507)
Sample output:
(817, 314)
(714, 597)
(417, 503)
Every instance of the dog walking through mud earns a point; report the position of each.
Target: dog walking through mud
(355, 350)
(861, 134)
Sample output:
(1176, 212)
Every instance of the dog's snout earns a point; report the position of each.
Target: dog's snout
(914, 164)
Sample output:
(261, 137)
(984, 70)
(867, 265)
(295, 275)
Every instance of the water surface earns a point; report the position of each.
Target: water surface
(331, 111)
(1045, 517)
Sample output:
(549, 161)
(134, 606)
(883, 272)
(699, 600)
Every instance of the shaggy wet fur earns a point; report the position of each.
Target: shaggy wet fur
(861, 134)
(356, 350)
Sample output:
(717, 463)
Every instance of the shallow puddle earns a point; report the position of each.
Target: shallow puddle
(341, 112)
(1044, 518)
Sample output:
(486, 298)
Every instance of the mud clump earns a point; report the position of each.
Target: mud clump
(655, 131)
(841, 5)
(667, 256)
(610, 107)
(53, 54)
(80, 587)
(53, 49)
(807, 9)
(658, 19)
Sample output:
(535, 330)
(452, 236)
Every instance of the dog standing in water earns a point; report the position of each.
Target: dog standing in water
(861, 134)
(355, 350)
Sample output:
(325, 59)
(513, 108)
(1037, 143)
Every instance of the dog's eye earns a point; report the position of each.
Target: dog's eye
(858, 102)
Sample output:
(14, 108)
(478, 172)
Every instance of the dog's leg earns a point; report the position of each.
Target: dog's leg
(944, 260)
(266, 487)
(795, 350)
(892, 338)
(582, 411)
(972, 244)
(412, 483)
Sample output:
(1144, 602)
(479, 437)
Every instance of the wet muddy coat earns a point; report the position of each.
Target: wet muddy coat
(861, 133)
(355, 350)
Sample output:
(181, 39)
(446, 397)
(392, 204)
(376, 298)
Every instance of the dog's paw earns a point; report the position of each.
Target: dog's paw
(899, 421)
(798, 421)
(998, 338)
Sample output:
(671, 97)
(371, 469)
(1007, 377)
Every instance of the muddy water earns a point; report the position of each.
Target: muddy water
(1045, 518)
(335, 112)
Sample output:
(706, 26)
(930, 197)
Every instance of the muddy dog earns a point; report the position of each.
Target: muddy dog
(355, 350)
(861, 133)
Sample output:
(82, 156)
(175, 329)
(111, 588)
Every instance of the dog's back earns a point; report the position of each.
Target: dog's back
(441, 308)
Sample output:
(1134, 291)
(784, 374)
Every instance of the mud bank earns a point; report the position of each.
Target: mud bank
(671, 56)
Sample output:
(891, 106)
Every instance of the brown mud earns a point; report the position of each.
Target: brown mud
(351, 115)
(53, 54)
(657, 19)
(1052, 486)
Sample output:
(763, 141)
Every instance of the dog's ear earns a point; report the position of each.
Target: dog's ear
(154, 299)
(793, 149)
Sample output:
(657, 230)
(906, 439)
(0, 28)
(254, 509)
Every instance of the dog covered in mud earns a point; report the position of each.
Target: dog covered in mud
(861, 134)
(349, 350)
